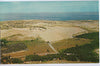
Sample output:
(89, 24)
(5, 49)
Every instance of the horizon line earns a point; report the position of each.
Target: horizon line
(51, 12)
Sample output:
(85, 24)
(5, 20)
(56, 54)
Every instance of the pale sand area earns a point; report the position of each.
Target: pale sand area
(47, 30)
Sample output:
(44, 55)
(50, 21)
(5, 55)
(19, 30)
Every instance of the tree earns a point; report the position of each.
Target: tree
(5, 60)
(48, 50)
(3, 42)
(16, 60)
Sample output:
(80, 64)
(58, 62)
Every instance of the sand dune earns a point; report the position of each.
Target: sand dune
(51, 34)
(47, 30)
(59, 33)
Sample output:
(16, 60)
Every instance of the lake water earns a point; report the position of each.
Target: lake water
(50, 16)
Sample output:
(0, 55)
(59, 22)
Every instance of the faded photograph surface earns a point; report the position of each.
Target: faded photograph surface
(49, 32)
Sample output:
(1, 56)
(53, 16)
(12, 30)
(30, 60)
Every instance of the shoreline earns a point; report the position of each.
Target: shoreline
(47, 20)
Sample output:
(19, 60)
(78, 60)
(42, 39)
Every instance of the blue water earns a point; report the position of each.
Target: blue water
(50, 16)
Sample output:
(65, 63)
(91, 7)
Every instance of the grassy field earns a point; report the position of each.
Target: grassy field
(36, 46)
(68, 43)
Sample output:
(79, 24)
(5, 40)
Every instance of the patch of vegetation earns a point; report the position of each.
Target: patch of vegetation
(14, 47)
(16, 60)
(85, 52)
(3, 42)
(68, 43)
(5, 60)
(41, 58)
(33, 58)
(94, 36)
(9, 60)
(50, 57)
(35, 46)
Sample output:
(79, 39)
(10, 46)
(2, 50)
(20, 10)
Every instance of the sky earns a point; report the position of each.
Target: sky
(48, 0)
(48, 6)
